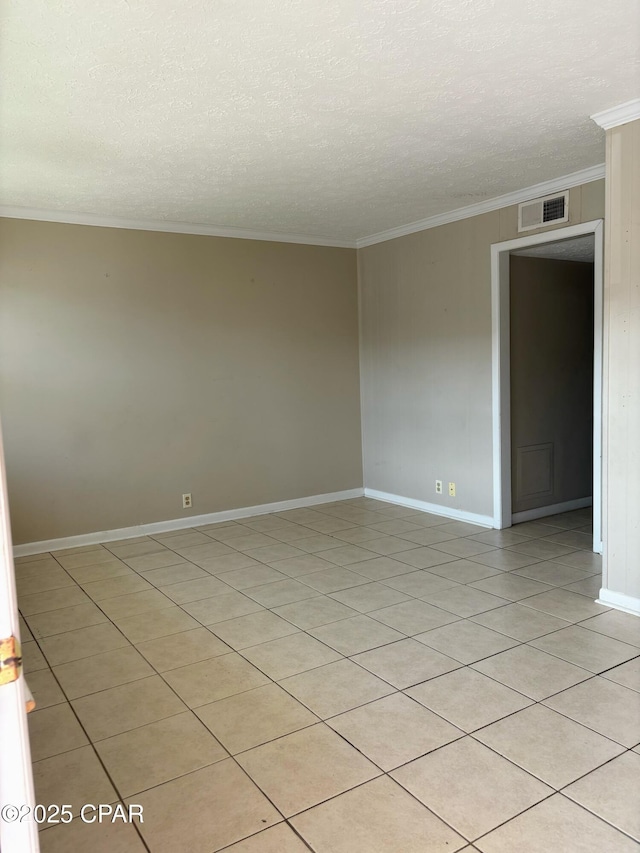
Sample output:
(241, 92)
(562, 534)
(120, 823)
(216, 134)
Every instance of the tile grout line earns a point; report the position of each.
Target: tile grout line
(187, 708)
(395, 691)
(97, 755)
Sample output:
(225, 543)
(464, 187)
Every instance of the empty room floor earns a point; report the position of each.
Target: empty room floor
(355, 677)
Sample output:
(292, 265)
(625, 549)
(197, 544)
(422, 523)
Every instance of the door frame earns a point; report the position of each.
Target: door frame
(16, 779)
(501, 352)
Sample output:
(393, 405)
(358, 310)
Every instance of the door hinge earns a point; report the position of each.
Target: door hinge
(10, 660)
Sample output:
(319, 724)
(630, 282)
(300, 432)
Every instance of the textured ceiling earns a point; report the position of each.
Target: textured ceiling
(335, 118)
(577, 249)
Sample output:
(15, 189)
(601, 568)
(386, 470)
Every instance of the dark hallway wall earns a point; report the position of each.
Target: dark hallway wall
(551, 381)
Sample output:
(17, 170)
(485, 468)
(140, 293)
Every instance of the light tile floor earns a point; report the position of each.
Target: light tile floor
(355, 677)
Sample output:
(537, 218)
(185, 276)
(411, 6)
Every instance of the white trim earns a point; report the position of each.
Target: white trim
(94, 219)
(501, 408)
(361, 372)
(585, 176)
(598, 380)
(622, 114)
(16, 777)
(436, 509)
(553, 509)
(500, 397)
(620, 601)
(179, 523)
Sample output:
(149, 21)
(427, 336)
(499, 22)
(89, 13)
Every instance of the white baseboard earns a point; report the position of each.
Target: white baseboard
(552, 509)
(436, 509)
(626, 603)
(30, 548)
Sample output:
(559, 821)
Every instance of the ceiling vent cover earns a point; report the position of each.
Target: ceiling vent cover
(543, 211)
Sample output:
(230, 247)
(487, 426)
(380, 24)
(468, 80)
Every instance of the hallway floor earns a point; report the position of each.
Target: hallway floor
(355, 677)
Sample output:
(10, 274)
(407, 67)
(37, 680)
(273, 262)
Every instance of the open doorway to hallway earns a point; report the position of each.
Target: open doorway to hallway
(551, 331)
(547, 418)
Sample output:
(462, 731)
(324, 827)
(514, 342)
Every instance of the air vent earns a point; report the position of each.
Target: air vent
(543, 211)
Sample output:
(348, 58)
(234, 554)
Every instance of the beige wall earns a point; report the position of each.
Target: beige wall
(135, 366)
(551, 303)
(622, 364)
(426, 355)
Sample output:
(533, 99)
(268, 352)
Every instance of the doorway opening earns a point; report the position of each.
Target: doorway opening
(547, 427)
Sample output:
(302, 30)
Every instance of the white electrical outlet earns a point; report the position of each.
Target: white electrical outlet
(438, 487)
(452, 490)
(186, 502)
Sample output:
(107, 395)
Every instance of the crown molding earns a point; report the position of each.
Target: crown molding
(622, 114)
(70, 218)
(584, 176)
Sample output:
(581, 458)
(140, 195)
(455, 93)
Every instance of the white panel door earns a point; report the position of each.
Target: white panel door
(18, 832)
